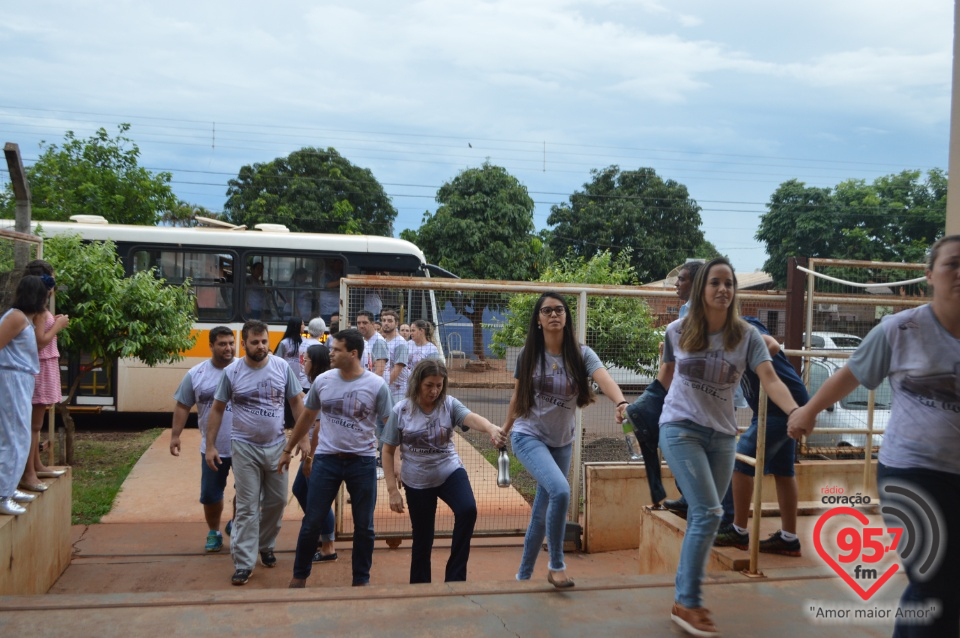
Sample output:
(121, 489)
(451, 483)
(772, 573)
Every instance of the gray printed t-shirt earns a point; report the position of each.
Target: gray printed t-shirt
(198, 387)
(258, 395)
(704, 382)
(374, 349)
(922, 360)
(397, 350)
(426, 441)
(551, 418)
(291, 355)
(416, 354)
(301, 355)
(349, 411)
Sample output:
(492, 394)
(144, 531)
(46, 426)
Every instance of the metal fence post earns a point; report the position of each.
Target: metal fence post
(574, 509)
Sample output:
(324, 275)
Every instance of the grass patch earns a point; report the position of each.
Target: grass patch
(101, 465)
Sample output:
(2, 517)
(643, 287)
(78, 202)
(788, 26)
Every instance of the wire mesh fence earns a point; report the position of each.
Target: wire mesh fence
(845, 300)
(480, 329)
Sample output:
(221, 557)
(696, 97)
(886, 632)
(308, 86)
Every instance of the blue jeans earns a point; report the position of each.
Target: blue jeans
(458, 495)
(301, 491)
(328, 473)
(549, 466)
(942, 582)
(701, 459)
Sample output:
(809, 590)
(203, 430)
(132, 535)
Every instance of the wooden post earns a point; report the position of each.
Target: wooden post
(21, 193)
(796, 286)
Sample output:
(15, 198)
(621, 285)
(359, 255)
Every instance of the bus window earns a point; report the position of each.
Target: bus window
(329, 293)
(210, 275)
(279, 287)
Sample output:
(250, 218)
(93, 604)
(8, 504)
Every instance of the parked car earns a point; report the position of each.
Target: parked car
(832, 341)
(849, 412)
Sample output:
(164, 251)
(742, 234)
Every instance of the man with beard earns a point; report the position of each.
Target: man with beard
(198, 387)
(393, 372)
(256, 386)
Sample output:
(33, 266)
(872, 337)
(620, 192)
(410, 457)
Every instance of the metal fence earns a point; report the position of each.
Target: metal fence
(844, 300)
(481, 326)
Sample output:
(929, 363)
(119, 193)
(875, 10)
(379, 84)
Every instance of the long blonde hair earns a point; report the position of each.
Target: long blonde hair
(694, 332)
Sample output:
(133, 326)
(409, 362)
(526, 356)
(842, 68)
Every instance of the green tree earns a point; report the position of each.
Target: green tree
(96, 176)
(620, 329)
(184, 214)
(656, 218)
(311, 190)
(895, 218)
(483, 229)
(113, 316)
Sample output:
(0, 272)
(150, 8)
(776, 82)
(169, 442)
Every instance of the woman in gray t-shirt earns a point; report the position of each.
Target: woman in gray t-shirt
(421, 427)
(919, 350)
(704, 356)
(552, 381)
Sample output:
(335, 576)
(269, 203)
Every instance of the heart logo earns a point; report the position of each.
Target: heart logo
(818, 544)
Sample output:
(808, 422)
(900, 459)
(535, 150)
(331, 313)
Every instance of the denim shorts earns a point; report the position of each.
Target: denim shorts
(213, 482)
(781, 449)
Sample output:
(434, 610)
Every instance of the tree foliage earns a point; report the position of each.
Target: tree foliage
(311, 190)
(656, 218)
(620, 329)
(895, 218)
(483, 229)
(96, 176)
(113, 316)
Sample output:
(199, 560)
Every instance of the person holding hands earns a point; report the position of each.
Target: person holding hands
(421, 426)
(552, 379)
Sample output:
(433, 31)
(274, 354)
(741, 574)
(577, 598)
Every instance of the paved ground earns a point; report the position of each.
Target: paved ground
(137, 575)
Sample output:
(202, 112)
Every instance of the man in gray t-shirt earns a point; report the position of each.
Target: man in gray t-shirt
(350, 401)
(256, 386)
(198, 388)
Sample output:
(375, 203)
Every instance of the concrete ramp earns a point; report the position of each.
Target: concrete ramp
(163, 488)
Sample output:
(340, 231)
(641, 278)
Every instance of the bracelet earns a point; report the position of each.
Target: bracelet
(309, 458)
(287, 451)
(623, 403)
(793, 410)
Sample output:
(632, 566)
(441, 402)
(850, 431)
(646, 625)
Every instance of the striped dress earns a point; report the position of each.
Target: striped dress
(47, 389)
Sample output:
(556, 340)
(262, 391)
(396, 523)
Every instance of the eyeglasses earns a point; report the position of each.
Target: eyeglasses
(546, 311)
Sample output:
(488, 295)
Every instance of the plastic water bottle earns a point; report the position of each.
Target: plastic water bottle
(503, 469)
(633, 445)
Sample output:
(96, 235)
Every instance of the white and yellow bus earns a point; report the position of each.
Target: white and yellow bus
(237, 274)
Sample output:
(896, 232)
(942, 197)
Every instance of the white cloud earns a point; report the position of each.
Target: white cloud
(855, 79)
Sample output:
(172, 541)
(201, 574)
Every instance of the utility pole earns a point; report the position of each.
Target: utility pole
(953, 185)
(21, 193)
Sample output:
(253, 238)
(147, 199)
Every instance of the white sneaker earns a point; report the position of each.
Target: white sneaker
(9, 507)
(23, 497)
(379, 473)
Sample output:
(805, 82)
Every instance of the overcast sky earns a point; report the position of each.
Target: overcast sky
(729, 98)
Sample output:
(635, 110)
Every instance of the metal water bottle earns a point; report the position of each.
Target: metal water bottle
(633, 445)
(503, 469)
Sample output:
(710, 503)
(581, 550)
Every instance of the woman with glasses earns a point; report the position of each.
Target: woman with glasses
(552, 380)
